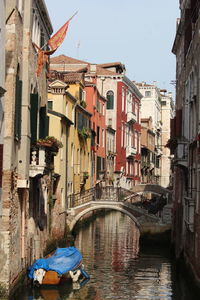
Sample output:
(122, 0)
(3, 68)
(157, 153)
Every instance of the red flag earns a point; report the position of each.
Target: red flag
(42, 58)
(54, 42)
(57, 39)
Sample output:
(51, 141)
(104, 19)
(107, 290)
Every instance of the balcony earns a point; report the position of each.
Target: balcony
(181, 154)
(131, 117)
(152, 166)
(38, 162)
(41, 159)
(145, 164)
(130, 151)
(158, 150)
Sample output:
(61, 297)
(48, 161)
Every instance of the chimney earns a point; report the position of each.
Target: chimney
(93, 68)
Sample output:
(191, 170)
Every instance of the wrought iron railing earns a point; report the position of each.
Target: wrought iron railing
(108, 193)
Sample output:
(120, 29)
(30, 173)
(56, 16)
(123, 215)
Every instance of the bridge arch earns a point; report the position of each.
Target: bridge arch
(152, 188)
(77, 217)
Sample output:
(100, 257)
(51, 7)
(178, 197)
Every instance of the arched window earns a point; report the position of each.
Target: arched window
(110, 100)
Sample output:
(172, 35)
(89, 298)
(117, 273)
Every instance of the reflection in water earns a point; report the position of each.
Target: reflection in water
(110, 248)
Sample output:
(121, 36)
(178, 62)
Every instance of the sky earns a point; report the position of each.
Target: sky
(137, 33)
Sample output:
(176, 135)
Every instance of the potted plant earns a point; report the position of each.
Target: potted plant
(85, 175)
(49, 141)
(84, 132)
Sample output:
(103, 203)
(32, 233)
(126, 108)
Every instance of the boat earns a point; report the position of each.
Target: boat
(64, 263)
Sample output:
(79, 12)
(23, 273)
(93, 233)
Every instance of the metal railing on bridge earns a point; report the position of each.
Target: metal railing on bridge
(108, 193)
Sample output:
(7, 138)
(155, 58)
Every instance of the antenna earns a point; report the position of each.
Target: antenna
(173, 82)
(78, 47)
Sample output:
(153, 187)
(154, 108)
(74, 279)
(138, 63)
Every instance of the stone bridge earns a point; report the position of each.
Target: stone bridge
(114, 198)
(151, 188)
(138, 215)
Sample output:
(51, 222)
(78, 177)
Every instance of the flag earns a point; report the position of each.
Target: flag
(54, 42)
(57, 39)
(42, 58)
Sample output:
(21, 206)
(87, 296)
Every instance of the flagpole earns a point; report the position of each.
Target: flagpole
(65, 23)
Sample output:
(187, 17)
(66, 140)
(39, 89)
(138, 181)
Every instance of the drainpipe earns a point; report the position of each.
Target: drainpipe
(24, 152)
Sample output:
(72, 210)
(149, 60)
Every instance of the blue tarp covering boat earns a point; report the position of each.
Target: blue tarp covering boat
(62, 261)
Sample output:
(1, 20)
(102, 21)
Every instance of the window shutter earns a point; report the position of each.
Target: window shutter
(110, 100)
(43, 130)
(34, 117)
(18, 108)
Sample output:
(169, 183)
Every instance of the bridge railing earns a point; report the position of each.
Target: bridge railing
(108, 193)
(81, 198)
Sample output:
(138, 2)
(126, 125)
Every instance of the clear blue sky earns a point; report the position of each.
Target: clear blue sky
(138, 33)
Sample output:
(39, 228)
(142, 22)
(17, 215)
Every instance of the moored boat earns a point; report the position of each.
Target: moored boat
(55, 269)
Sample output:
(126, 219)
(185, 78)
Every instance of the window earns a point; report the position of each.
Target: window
(147, 93)
(50, 105)
(123, 98)
(83, 122)
(98, 106)
(103, 138)
(163, 103)
(110, 100)
(43, 122)
(98, 135)
(110, 122)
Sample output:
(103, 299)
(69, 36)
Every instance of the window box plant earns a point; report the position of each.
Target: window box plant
(85, 175)
(84, 132)
(49, 141)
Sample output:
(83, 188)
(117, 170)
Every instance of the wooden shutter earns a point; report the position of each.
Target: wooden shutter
(18, 108)
(43, 129)
(34, 117)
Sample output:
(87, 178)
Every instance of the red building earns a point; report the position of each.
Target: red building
(128, 132)
(96, 105)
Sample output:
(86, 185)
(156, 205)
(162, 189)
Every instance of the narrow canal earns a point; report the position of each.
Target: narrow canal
(119, 269)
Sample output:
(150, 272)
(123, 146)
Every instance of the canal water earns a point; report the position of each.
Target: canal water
(118, 268)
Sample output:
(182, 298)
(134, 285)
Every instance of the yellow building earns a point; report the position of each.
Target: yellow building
(69, 122)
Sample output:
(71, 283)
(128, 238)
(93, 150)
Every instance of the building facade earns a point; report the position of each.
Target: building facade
(2, 91)
(167, 114)
(151, 106)
(96, 105)
(23, 224)
(122, 114)
(184, 141)
(147, 152)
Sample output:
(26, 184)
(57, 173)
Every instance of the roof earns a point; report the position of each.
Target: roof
(141, 84)
(101, 71)
(83, 65)
(73, 77)
(66, 59)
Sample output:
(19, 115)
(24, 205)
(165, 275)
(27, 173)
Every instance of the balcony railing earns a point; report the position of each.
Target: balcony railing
(145, 164)
(131, 117)
(40, 160)
(130, 151)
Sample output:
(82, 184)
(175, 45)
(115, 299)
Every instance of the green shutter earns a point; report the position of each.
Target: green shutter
(110, 100)
(18, 108)
(43, 129)
(34, 117)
